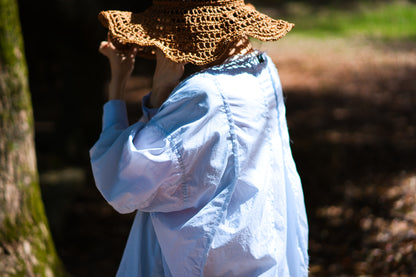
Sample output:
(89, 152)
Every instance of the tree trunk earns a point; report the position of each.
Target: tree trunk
(26, 246)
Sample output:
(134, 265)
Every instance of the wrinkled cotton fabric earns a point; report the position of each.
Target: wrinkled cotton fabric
(210, 176)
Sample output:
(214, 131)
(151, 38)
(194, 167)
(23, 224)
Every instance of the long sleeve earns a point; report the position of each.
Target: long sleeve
(148, 166)
(132, 164)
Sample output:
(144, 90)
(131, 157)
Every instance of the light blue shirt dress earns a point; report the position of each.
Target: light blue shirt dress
(210, 176)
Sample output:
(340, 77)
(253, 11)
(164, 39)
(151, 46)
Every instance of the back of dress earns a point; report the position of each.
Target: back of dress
(264, 232)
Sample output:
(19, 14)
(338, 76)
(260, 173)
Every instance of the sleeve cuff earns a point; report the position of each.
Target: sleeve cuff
(115, 113)
(148, 113)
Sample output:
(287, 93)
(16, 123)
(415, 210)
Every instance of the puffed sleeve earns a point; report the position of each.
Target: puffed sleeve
(148, 166)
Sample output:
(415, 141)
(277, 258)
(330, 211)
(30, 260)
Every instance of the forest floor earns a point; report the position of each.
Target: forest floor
(350, 110)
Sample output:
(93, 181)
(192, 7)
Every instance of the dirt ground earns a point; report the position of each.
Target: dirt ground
(350, 110)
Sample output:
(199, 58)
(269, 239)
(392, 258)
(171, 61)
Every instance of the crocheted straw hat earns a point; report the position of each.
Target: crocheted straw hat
(199, 31)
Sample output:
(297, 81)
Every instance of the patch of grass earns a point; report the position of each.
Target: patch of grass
(388, 21)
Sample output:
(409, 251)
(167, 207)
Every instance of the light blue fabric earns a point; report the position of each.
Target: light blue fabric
(211, 176)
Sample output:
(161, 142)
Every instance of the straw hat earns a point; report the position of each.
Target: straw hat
(199, 31)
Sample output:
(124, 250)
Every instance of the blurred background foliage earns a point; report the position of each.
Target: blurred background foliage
(385, 20)
(348, 72)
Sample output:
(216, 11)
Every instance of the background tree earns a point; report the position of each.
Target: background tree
(26, 247)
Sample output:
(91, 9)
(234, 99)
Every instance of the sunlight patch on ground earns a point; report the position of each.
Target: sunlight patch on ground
(352, 66)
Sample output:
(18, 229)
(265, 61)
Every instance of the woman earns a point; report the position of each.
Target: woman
(208, 168)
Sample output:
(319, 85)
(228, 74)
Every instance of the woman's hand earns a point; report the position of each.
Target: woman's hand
(122, 65)
(165, 79)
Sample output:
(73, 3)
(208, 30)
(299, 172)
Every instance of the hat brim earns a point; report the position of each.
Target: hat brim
(199, 36)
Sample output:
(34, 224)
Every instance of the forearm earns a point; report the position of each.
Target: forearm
(165, 79)
(116, 89)
(122, 64)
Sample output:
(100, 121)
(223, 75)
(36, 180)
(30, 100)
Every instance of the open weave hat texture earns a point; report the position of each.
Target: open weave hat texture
(199, 32)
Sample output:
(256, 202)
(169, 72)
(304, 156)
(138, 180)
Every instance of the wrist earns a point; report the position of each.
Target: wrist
(116, 89)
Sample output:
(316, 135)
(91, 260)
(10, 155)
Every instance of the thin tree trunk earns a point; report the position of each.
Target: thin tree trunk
(26, 246)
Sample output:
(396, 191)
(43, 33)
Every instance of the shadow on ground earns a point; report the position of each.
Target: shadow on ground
(356, 156)
(350, 154)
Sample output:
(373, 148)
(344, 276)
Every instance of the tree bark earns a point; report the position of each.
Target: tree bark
(26, 246)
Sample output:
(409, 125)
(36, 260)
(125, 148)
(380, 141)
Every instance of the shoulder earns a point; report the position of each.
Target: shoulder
(197, 85)
(195, 98)
(195, 92)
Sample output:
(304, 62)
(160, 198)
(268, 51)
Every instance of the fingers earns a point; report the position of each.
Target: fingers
(103, 46)
(106, 48)
(167, 73)
(164, 62)
(133, 52)
(159, 55)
